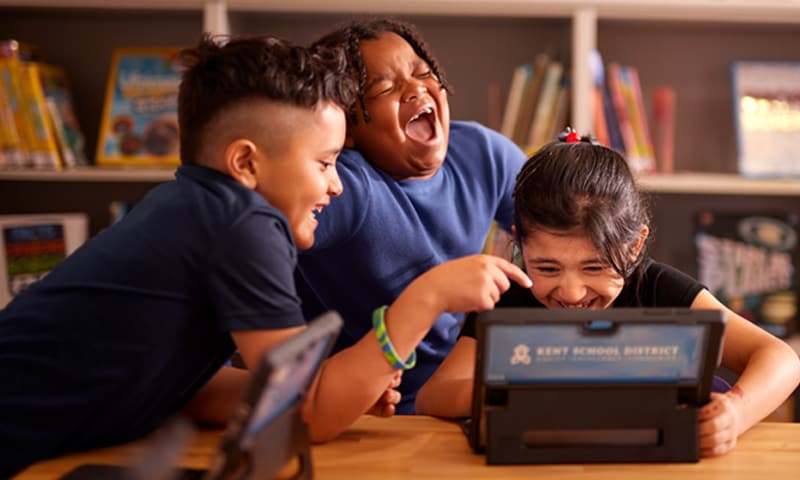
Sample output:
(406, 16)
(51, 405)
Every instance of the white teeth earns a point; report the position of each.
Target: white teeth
(422, 112)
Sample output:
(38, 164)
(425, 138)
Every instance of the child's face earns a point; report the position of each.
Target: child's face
(568, 272)
(301, 179)
(409, 114)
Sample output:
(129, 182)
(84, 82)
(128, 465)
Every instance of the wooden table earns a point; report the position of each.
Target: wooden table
(423, 447)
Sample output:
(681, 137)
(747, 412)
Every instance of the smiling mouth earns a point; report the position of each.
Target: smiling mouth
(421, 127)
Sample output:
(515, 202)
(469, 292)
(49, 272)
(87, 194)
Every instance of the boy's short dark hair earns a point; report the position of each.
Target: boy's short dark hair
(350, 36)
(221, 74)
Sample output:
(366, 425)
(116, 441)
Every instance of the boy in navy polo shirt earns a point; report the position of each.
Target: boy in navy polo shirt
(137, 324)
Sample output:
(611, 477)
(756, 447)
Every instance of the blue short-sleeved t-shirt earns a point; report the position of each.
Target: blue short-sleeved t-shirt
(124, 331)
(381, 234)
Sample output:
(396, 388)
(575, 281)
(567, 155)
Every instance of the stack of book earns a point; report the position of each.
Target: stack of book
(38, 125)
(538, 107)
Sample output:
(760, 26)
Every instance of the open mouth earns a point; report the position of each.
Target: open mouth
(421, 127)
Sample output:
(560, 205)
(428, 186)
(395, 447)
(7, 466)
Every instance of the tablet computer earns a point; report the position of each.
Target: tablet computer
(675, 349)
(267, 431)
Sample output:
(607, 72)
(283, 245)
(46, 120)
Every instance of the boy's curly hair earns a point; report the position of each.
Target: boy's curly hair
(220, 74)
(349, 38)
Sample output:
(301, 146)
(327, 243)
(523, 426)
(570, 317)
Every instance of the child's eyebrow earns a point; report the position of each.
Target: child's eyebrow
(375, 80)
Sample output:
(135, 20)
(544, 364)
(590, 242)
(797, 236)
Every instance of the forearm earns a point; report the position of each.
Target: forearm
(351, 381)
(770, 377)
(217, 401)
(449, 398)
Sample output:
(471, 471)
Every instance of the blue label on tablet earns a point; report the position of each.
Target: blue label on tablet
(570, 353)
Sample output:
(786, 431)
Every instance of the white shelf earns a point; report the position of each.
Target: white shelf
(783, 11)
(717, 184)
(92, 174)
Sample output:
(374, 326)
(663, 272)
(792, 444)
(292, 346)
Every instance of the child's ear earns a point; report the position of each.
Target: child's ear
(639, 243)
(240, 161)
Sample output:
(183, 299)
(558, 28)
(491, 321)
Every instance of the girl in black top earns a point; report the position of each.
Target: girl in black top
(581, 227)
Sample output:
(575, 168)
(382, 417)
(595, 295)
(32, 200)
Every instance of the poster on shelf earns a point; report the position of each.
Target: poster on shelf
(32, 245)
(766, 96)
(749, 262)
(139, 125)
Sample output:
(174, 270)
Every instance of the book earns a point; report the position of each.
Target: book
(561, 110)
(641, 128)
(31, 118)
(40, 136)
(749, 262)
(664, 128)
(139, 125)
(15, 139)
(622, 88)
(599, 122)
(32, 245)
(60, 105)
(11, 148)
(519, 81)
(766, 96)
(547, 99)
(530, 100)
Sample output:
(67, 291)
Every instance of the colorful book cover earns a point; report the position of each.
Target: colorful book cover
(40, 135)
(18, 144)
(139, 126)
(58, 94)
(32, 245)
(639, 122)
(766, 110)
(616, 90)
(11, 148)
(748, 261)
(664, 99)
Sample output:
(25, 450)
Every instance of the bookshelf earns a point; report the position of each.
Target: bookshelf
(685, 43)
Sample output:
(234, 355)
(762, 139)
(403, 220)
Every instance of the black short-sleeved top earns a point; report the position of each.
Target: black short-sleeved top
(125, 330)
(660, 286)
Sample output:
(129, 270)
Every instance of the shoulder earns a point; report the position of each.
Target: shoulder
(474, 133)
(477, 146)
(662, 285)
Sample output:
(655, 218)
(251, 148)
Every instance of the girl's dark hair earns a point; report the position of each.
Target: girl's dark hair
(219, 75)
(580, 185)
(350, 36)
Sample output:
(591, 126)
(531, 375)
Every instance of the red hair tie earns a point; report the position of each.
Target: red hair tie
(569, 135)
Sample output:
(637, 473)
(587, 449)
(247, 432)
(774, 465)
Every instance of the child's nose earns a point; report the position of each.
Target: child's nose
(335, 187)
(571, 289)
(414, 89)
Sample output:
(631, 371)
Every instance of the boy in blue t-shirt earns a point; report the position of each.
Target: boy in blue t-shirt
(137, 324)
(421, 190)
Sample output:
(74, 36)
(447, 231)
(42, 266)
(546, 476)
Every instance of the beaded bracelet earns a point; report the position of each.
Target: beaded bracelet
(379, 324)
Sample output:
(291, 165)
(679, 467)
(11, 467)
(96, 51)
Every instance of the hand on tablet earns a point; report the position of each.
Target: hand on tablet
(718, 424)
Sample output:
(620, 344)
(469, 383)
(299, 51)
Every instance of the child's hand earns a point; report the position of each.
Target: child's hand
(473, 283)
(718, 424)
(385, 405)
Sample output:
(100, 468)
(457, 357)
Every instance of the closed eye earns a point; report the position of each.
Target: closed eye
(380, 88)
(545, 270)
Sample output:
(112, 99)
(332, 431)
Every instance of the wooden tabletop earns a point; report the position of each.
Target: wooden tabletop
(427, 448)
